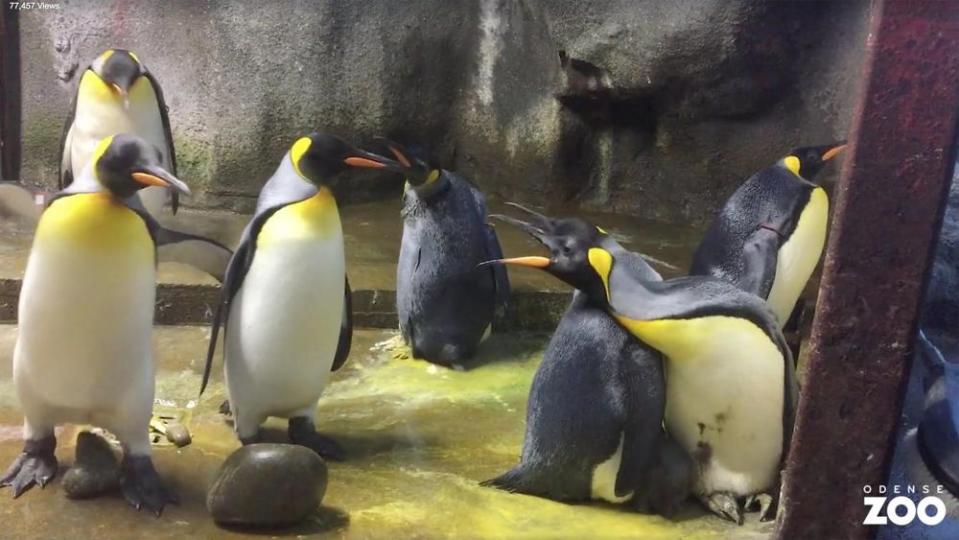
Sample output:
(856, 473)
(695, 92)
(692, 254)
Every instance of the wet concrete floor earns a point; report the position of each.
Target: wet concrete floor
(419, 439)
(372, 234)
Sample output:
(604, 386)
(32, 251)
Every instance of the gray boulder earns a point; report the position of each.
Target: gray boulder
(267, 485)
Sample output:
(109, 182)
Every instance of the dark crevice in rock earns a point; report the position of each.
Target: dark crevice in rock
(590, 94)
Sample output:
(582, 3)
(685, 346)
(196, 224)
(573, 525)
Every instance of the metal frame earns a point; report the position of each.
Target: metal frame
(888, 209)
(9, 93)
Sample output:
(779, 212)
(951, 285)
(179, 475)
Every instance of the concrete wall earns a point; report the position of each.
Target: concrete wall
(702, 92)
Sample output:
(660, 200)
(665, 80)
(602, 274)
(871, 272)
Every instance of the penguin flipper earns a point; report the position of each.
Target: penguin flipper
(346, 329)
(198, 251)
(790, 388)
(236, 271)
(645, 403)
(500, 277)
(493, 251)
(169, 151)
(230, 283)
(759, 254)
(20, 201)
(66, 142)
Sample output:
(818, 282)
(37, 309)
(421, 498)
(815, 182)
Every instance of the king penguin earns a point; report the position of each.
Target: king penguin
(768, 237)
(730, 386)
(118, 94)
(285, 304)
(595, 410)
(83, 353)
(445, 302)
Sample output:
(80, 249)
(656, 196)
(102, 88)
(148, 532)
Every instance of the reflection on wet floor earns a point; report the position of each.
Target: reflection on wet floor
(372, 234)
(419, 438)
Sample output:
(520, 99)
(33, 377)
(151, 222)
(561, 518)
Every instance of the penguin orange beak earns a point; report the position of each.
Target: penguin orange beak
(417, 171)
(156, 176)
(369, 160)
(529, 262)
(833, 152)
(120, 91)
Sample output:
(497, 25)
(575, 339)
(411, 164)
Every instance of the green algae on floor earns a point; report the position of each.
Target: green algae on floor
(419, 439)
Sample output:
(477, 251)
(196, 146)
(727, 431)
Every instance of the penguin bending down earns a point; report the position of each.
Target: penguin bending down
(594, 418)
(730, 386)
(285, 304)
(768, 237)
(83, 353)
(117, 94)
(445, 302)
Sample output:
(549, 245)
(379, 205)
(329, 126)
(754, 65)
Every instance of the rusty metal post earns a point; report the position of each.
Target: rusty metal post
(9, 93)
(889, 204)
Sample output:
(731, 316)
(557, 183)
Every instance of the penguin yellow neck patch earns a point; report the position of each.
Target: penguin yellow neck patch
(602, 263)
(315, 218)
(93, 89)
(97, 222)
(299, 148)
(792, 163)
(685, 338)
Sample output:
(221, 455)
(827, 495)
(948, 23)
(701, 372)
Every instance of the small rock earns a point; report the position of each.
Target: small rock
(267, 484)
(178, 434)
(95, 471)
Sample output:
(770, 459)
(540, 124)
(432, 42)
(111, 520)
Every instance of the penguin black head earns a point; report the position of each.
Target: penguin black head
(118, 68)
(577, 253)
(418, 172)
(807, 161)
(320, 157)
(124, 164)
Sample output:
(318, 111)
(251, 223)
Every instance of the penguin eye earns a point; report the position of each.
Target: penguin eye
(566, 249)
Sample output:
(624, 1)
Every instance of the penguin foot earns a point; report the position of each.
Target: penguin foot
(724, 505)
(763, 502)
(303, 432)
(141, 485)
(36, 465)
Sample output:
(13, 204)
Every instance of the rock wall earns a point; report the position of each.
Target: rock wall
(658, 108)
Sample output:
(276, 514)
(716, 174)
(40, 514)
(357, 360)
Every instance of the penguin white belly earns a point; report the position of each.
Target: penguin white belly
(798, 257)
(603, 484)
(284, 323)
(724, 398)
(101, 113)
(86, 311)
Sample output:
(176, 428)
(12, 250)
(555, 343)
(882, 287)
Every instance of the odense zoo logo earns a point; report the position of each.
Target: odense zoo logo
(891, 505)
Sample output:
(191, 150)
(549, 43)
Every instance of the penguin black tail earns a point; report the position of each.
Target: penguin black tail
(515, 481)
